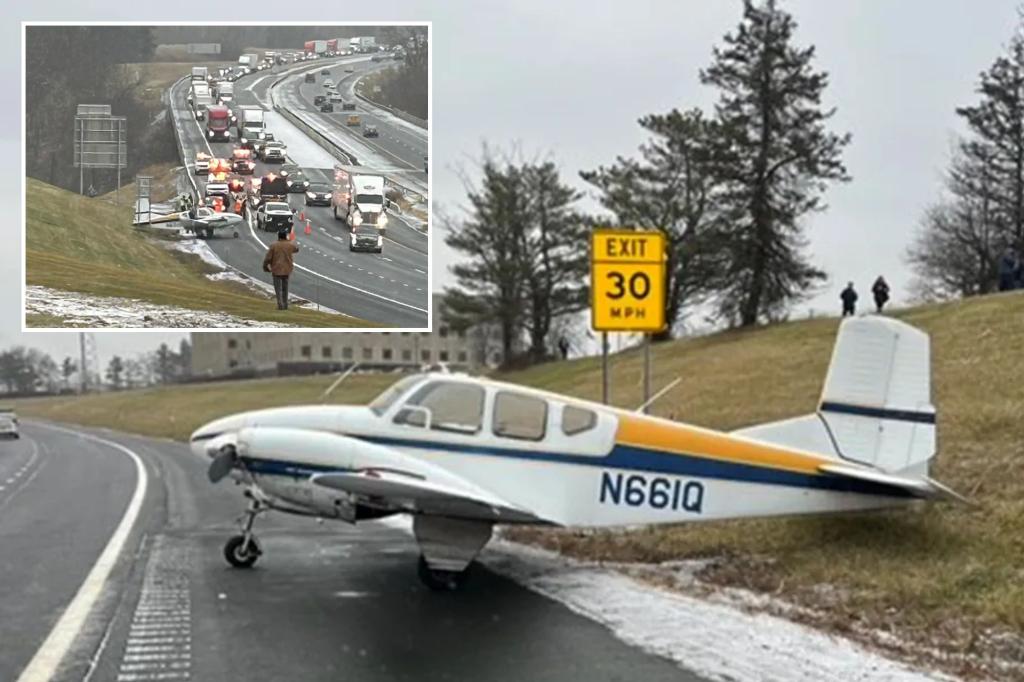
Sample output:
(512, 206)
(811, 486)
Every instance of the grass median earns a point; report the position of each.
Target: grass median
(948, 578)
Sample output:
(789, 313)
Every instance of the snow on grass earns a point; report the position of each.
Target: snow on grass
(716, 637)
(82, 310)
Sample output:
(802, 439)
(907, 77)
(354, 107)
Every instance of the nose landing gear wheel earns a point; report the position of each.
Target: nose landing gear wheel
(438, 580)
(242, 554)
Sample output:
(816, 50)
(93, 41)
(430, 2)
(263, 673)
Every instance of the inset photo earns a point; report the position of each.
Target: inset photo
(228, 176)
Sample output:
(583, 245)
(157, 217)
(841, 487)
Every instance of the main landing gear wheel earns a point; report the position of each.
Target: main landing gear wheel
(441, 581)
(242, 554)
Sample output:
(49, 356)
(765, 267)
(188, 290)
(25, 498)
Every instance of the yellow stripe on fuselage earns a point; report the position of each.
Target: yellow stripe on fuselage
(674, 438)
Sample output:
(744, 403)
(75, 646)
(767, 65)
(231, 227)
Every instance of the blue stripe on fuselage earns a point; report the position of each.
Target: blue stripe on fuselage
(625, 457)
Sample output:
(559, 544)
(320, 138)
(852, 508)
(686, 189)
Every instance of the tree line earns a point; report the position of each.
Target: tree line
(28, 371)
(70, 65)
(979, 214)
(404, 85)
(729, 188)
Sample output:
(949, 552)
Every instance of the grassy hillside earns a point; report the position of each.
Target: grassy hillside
(950, 577)
(88, 245)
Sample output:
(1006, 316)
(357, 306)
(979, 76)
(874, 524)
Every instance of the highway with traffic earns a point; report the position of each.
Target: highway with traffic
(326, 601)
(387, 289)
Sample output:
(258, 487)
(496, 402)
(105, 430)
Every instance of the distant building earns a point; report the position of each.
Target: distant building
(222, 354)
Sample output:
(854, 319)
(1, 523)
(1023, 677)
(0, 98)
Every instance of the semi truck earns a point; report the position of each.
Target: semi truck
(250, 121)
(332, 46)
(359, 200)
(218, 118)
(199, 73)
(363, 44)
(200, 104)
(249, 60)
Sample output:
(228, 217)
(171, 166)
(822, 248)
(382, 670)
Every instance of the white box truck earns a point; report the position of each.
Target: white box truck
(363, 44)
(199, 73)
(250, 120)
(249, 61)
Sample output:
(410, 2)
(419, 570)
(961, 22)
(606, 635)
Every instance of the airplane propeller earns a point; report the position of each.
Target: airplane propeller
(222, 463)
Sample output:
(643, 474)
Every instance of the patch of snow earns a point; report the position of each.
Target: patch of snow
(199, 247)
(127, 313)
(711, 637)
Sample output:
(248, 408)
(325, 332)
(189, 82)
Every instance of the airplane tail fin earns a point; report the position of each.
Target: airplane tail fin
(876, 403)
(875, 409)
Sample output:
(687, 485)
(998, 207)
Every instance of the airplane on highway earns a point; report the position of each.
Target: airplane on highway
(463, 453)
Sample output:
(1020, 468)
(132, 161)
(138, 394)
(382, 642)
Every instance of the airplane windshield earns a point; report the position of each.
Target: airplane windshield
(381, 403)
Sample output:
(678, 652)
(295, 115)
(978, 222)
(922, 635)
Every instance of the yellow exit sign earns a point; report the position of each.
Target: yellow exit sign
(627, 281)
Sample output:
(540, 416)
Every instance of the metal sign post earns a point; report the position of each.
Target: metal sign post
(142, 198)
(100, 142)
(627, 290)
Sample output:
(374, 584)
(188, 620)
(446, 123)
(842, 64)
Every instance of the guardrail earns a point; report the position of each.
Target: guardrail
(189, 174)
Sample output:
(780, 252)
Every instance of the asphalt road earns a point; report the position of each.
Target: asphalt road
(325, 601)
(390, 288)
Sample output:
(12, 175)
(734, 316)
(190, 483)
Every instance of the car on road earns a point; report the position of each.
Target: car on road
(318, 194)
(205, 222)
(348, 105)
(335, 97)
(241, 161)
(328, 83)
(371, 131)
(366, 238)
(325, 72)
(297, 181)
(327, 108)
(274, 216)
(8, 423)
(310, 78)
(377, 58)
(319, 99)
(353, 120)
(253, 142)
(202, 164)
(349, 69)
(273, 152)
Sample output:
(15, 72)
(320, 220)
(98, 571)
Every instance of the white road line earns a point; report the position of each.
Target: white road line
(47, 659)
(344, 284)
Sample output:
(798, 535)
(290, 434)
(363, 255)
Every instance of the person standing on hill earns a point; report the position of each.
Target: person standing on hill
(881, 291)
(849, 299)
(1009, 270)
(280, 262)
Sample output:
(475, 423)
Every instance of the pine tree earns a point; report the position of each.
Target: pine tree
(489, 282)
(115, 372)
(671, 188)
(781, 157)
(997, 125)
(554, 255)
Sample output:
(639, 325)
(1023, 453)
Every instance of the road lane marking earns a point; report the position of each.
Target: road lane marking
(45, 663)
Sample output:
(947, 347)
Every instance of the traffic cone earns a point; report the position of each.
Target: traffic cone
(302, 216)
(291, 235)
(309, 228)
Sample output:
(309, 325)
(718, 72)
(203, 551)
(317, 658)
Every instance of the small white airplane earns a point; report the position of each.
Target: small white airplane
(462, 453)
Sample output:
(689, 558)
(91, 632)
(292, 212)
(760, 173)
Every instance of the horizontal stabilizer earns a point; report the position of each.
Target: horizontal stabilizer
(924, 488)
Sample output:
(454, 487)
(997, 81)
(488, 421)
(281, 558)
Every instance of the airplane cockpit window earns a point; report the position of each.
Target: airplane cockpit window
(519, 416)
(577, 420)
(381, 403)
(452, 406)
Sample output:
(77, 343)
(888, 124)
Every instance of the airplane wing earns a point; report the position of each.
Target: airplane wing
(925, 488)
(417, 493)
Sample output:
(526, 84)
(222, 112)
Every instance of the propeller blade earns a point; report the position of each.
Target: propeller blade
(222, 463)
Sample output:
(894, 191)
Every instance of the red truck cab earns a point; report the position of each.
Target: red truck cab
(218, 118)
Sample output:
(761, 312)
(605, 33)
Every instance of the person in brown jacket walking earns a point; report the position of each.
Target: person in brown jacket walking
(279, 262)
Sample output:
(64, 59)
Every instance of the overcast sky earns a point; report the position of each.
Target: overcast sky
(569, 79)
